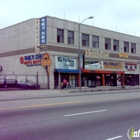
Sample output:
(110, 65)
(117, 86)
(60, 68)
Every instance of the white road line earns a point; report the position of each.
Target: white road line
(114, 138)
(83, 113)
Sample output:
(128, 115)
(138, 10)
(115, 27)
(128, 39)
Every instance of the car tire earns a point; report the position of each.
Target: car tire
(5, 86)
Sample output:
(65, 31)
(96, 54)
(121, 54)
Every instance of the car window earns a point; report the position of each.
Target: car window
(10, 81)
(1, 81)
(23, 81)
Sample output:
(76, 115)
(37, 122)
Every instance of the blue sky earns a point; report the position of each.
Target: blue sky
(117, 15)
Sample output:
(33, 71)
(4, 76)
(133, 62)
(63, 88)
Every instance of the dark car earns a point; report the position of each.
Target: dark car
(6, 82)
(28, 84)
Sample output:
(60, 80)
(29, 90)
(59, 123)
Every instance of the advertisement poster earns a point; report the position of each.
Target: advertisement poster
(65, 62)
(90, 64)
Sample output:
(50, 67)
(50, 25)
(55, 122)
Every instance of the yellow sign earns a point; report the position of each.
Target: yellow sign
(98, 53)
(124, 55)
(46, 62)
(113, 65)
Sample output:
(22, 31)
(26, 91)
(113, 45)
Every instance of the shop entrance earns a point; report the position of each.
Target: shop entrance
(110, 79)
(91, 80)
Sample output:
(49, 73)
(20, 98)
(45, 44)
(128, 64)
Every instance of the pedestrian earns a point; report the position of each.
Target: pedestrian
(67, 86)
(64, 83)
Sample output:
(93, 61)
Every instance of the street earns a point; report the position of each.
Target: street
(104, 115)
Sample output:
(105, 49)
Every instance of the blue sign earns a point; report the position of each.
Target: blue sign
(43, 31)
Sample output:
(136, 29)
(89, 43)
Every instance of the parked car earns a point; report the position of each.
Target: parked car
(28, 84)
(7, 82)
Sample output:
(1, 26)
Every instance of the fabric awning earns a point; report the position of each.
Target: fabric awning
(67, 70)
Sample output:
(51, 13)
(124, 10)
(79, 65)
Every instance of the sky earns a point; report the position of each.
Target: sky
(116, 15)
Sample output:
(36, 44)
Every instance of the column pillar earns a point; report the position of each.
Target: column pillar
(103, 79)
(78, 80)
(122, 80)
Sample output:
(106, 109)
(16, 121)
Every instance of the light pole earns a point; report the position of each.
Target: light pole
(79, 53)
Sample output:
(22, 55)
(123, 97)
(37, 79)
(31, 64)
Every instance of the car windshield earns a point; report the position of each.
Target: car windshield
(30, 81)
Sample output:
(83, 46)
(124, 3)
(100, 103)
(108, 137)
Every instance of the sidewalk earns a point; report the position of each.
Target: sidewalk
(103, 88)
(16, 93)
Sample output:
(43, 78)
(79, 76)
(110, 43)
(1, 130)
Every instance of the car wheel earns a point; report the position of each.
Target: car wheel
(5, 86)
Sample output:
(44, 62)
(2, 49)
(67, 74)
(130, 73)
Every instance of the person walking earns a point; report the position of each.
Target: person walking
(64, 83)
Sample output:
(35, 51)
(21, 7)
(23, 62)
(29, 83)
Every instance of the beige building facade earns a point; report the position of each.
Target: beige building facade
(107, 56)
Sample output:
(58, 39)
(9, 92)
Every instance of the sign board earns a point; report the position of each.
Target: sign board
(37, 36)
(91, 64)
(82, 58)
(43, 32)
(46, 62)
(65, 62)
(31, 60)
(131, 66)
(97, 53)
(124, 55)
(113, 65)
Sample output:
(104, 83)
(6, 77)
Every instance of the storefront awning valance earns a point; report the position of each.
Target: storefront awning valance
(102, 71)
(67, 70)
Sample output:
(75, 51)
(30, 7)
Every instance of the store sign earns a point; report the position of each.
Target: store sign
(131, 66)
(43, 31)
(37, 36)
(113, 65)
(65, 62)
(31, 60)
(123, 55)
(46, 62)
(82, 60)
(98, 53)
(90, 64)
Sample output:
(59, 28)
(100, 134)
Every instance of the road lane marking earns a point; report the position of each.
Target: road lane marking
(65, 103)
(40, 105)
(84, 113)
(114, 138)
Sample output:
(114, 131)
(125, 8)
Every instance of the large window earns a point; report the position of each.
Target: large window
(85, 40)
(116, 45)
(107, 43)
(126, 46)
(60, 36)
(95, 41)
(133, 48)
(70, 37)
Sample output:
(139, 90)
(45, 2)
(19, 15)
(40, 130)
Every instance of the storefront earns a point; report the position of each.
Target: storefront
(65, 67)
(131, 74)
(101, 73)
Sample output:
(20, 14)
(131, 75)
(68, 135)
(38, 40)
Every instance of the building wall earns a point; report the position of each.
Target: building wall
(17, 37)
(54, 23)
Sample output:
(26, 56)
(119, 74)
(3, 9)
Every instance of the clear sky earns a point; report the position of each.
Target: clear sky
(117, 15)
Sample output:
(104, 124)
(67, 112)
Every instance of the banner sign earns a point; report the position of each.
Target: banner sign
(43, 27)
(90, 64)
(113, 65)
(131, 66)
(82, 57)
(37, 38)
(98, 53)
(65, 62)
(31, 60)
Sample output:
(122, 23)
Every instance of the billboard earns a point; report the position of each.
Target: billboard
(65, 62)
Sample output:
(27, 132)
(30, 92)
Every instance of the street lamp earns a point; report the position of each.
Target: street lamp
(79, 53)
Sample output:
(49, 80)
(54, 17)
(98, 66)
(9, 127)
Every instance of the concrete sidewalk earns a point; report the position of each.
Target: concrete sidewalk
(16, 93)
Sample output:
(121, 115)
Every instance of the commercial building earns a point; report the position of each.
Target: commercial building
(108, 56)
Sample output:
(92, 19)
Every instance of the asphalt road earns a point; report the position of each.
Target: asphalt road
(81, 116)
